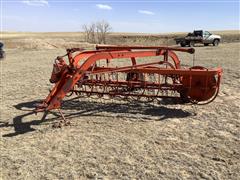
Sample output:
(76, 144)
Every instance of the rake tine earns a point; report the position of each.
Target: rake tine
(44, 115)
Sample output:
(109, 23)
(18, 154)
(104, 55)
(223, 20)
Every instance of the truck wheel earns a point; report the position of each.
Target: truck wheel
(215, 42)
(191, 44)
(2, 55)
(206, 44)
(182, 44)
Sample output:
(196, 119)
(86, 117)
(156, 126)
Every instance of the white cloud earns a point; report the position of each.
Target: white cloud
(146, 12)
(104, 6)
(36, 2)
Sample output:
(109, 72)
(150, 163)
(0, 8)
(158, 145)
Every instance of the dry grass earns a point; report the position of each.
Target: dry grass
(52, 40)
(167, 38)
(118, 140)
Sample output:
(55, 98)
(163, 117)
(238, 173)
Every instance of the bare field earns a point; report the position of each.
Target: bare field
(53, 40)
(115, 139)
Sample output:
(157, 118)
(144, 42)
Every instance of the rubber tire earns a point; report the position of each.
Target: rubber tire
(191, 44)
(182, 44)
(206, 44)
(216, 42)
(2, 55)
(184, 97)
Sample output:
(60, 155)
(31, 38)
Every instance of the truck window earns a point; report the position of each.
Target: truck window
(197, 33)
(206, 33)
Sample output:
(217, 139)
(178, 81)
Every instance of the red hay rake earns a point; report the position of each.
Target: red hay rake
(128, 72)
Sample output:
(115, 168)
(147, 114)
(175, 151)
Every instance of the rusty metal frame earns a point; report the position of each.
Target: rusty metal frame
(187, 78)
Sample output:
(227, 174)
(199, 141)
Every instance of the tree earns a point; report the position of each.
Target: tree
(86, 32)
(92, 28)
(96, 31)
(103, 28)
(89, 31)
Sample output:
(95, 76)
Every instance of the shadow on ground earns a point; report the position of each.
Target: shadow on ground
(74, 108)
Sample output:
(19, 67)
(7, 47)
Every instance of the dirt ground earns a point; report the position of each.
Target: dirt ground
(115, 139)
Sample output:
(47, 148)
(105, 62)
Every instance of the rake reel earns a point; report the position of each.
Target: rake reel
(141, 73)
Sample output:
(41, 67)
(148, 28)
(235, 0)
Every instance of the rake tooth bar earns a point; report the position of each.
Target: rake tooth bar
(127, 71)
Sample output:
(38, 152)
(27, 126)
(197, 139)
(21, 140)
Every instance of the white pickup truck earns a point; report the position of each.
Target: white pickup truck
(199, 36)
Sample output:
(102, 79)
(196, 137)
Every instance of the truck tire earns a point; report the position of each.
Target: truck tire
(183, 44)
(2, 55)
(206, 44)
(191, 44)
(215, 42)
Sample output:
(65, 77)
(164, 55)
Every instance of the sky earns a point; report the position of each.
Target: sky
(144, 16)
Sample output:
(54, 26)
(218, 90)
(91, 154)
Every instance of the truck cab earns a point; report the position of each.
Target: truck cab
(209, 38)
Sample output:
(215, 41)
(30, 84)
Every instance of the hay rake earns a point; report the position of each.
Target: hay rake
(127, 72)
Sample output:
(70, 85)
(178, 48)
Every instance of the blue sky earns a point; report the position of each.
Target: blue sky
(153, 16)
